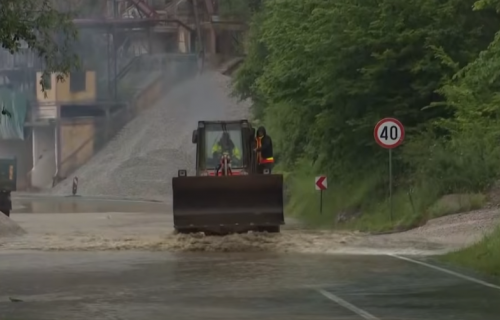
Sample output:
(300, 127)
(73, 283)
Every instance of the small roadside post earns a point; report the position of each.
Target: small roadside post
(74, 187)
(321, 184)
(389, 133)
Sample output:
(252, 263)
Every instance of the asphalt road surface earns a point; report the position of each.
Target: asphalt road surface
(164, 285)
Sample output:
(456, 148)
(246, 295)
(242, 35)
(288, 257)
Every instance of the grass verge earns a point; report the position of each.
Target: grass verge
(484, 256)
(354, 204)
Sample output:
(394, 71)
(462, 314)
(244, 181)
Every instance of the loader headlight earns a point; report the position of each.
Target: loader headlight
(204, 174)
(266, 171)
(243, 172)
(181, 173)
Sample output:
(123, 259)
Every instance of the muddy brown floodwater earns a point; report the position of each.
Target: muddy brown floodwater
(92, 223)
(147, 272)
(74, 223)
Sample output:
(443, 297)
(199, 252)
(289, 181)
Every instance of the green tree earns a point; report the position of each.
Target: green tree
(324, 72)
(467, 159)
(336, 67)
(45, 30)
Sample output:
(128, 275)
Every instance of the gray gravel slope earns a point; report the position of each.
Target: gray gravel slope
(141, 160)
(9, 228)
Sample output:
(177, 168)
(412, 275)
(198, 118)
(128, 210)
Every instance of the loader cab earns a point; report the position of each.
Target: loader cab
(233, 136)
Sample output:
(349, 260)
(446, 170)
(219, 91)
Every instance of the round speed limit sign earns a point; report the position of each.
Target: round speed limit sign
(389, 133)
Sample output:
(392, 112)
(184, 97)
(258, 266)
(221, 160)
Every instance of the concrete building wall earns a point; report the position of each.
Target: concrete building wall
(64, 94)
(77, 143)
(44, 160)
(59, 91)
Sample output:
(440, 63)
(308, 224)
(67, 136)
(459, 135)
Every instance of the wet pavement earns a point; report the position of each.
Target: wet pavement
(232, 285)
(77, 204)
(135, 285)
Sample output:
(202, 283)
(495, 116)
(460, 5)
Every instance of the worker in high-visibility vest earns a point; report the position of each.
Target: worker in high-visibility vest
(264, 149)
(225, 144)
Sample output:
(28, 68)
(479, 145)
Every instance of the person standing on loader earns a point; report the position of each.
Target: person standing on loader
(225, 144)
(264, 151)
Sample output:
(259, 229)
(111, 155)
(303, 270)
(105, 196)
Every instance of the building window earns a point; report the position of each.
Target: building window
(77, 81)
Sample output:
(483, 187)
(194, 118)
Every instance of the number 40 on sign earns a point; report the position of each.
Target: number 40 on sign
(389, 133)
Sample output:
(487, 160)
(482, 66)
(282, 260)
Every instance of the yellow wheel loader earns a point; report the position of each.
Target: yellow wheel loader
(227, 195)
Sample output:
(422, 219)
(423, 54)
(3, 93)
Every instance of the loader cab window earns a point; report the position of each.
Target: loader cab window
(213, 135)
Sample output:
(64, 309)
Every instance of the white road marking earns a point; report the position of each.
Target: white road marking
(453, 273)
(360, 312)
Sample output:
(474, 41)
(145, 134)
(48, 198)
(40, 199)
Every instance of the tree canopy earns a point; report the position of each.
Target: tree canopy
(322, 73)
(39, 26)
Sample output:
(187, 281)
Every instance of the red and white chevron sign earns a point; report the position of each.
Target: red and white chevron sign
(321, 183)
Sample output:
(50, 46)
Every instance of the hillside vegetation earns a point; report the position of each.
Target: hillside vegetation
(323, 73)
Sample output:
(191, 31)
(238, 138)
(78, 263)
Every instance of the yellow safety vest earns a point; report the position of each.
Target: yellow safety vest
(218, 148)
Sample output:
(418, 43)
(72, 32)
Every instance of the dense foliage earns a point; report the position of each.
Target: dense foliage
(42, 28)
(238, 9)
(322, 73)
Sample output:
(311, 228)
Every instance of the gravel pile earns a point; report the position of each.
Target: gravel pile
(9, 228)
(442, 234)
(141, 160)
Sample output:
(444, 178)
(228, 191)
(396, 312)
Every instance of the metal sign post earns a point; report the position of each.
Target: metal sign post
(74, 187)
(321, 184)
(389, 133)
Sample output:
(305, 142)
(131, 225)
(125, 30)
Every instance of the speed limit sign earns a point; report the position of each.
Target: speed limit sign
(389, 133)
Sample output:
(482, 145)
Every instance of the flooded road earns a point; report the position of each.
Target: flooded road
(135, 285)
(76, 204)
(146, 272)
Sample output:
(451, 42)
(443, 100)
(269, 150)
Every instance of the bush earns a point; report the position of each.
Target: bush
(443, 176)
(456, 203)
(467, 160)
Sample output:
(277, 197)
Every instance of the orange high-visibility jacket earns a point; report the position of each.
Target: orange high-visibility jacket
(259, 154)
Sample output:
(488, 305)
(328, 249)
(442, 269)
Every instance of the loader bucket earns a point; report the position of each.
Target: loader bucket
(228, 204)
